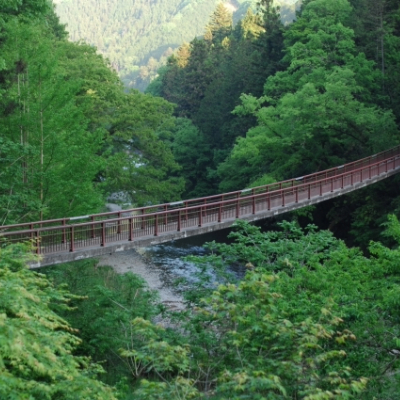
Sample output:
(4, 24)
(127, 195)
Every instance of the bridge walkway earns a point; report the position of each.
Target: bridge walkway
(63, 240)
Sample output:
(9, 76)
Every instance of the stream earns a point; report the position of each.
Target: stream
(162, 264)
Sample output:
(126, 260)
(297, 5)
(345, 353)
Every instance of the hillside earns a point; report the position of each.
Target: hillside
(137, 36)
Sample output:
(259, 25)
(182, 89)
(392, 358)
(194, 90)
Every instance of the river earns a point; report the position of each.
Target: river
(163, 264)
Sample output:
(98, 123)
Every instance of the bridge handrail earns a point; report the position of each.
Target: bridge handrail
(203, 207)
(314, 177)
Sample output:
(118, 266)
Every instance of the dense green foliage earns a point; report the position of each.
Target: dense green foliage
(206, 78)
(138, 36)
(310, 319)
(69, 133)
(318, 112)
(309, 273)
(272, 102)
(102, 311)
(36, 344)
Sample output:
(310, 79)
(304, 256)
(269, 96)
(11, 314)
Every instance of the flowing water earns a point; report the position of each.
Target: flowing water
(168, 257)
(163, 264)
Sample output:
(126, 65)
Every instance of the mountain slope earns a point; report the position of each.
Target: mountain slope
(137, 36)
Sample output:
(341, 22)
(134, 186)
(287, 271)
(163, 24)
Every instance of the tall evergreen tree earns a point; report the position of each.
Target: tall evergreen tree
(220, 24)
(268, 58)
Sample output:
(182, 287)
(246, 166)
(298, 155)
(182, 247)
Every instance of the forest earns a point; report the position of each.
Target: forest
(139, 36)
(314, 314)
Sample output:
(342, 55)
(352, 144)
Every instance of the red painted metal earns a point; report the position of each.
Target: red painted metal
(93, 232)
(64, 239)
(156, 225)
(72, 239)
(220, 197)
(37, 244)
(103, 234)
(143, 221)
(130, 229)
(119, 224)
(56, 236)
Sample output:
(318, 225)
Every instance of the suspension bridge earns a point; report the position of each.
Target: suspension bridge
(68, 239)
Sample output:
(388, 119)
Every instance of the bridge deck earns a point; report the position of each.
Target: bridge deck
(147, 226)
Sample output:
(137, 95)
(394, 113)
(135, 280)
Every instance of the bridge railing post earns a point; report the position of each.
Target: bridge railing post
(320, 188)
(131, 229)
(93, 230)
(156, 225)
(72, 239)
(309, 191)
(283, 198)
(296, 195)
(237, 207)
(200, 217)
(37, 242)
(220, 212)
(103, 234)
(64, 233)
(253, 204)
(179, 220)
(119, 223)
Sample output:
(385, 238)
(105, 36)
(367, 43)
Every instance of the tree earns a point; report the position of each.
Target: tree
(317, 113)
(220, 24)
(312, 272)
(376, 25)
(36, 346)
(140, 163)
(53, 160)
(192, 152)
(272, 334)
(207, 79)
(103, 305)
(267, 59)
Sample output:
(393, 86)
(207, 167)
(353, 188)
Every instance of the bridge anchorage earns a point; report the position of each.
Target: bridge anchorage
(63, 240)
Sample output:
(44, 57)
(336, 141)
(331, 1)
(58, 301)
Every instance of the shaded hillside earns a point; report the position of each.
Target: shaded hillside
(138, 36)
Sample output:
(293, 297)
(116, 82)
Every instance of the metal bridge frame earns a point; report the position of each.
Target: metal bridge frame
(62, 240)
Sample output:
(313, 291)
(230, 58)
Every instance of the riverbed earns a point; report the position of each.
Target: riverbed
(162, 264)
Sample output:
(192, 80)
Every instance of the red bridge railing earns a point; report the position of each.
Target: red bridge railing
(64, 235)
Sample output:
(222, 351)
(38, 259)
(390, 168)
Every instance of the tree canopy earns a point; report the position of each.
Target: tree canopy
(37, 345)
(70, 134)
